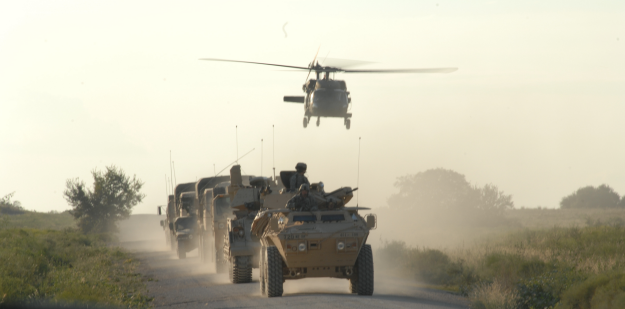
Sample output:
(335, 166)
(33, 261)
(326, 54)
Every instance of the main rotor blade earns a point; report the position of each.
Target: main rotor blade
(433, 70)
(312, 64)
(343, 63)
(261, 63)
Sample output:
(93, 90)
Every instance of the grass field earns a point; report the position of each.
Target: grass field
(45, 260)
(38, 220)
(543, 259)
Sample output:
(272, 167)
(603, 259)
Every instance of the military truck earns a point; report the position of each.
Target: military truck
(205, 194)
(168, 223)
(330, 242)
(185, 226)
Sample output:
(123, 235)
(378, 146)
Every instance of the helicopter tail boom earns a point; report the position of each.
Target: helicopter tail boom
(294, 99)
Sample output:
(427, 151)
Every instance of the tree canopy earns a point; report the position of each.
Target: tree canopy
(9, 207)
(112, 198)
(441, 189)
(590, 197)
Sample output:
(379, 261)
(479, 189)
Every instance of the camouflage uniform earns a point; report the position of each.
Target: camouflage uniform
(300, 203)
(297, 180)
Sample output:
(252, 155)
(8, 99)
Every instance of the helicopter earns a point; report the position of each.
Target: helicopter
(326, 96)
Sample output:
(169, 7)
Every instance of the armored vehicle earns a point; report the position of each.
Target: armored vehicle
(329, 242)
(241, 247)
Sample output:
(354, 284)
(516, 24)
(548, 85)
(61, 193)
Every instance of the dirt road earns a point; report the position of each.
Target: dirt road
(189, 284)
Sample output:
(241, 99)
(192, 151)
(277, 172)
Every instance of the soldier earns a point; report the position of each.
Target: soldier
(302, 201)
(298, 179)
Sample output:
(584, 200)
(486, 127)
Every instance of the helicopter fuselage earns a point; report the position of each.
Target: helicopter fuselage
(324, 98)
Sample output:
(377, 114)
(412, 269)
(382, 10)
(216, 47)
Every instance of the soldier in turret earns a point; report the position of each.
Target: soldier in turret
(302, 201)
(298, 179)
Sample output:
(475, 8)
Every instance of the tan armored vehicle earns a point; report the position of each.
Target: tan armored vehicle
(186, 225)
(241, 247)
(329, 242)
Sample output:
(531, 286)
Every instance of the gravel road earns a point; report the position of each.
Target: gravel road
(190, 284)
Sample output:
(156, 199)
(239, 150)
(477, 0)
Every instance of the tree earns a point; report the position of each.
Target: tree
(8, 207)
(112, 198)
(442, 189)
(435, 188)
(591, 197)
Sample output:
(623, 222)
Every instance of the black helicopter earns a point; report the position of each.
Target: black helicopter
(328, 97)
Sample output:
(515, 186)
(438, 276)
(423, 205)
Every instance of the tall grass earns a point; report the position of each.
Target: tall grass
(557, 267)
(37, 220)
(66, 267)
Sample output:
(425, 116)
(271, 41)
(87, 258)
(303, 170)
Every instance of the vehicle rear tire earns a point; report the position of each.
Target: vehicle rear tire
(274, 273)
(262, 276)
(240, 269)
(364, 263)
(305, 122)
(348, 124)
(182, 254)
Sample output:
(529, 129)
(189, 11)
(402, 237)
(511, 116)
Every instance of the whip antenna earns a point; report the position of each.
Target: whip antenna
(171, 173)
(235, 161)
(358, 177)
(273, 150)
(261, 157)
(236, 129)
(174, 164)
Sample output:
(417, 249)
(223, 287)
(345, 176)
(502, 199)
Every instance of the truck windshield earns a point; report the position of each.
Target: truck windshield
(222, 206)
(185, 223)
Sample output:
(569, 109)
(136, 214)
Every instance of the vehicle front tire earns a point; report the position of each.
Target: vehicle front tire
(262, 267)
(275, 282)
(240, 269)
(364, 265)
(182, 254)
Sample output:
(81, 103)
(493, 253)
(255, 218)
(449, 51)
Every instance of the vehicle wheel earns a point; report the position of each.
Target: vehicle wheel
(172, 242)
(181, 253)
(240, 270)
(353, 284)
(318, 121)
(348, 124)
(274, 272)
(220, 266)
(305, 122)
(364, 263)
(262, 276)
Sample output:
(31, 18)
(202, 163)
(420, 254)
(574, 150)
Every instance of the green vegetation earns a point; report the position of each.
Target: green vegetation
(38, 220)
(112, 198)
(591, 197)
(550, 268)
(66, 267)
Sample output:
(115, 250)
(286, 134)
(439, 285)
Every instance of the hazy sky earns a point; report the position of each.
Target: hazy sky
(536, 107)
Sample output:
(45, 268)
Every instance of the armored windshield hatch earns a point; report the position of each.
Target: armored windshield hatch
(305, 218)
(338, 217)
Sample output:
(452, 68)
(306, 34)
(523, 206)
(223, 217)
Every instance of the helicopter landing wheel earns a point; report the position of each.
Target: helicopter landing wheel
(318, 121)
(347, 123)
(305, 122)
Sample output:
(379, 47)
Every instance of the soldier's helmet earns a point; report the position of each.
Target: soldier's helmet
(300, 167)
(303, 187)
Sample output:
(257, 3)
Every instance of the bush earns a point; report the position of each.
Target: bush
(65, 267)
(599, 291)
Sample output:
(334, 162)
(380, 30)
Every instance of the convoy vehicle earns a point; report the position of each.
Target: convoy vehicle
(329, 242)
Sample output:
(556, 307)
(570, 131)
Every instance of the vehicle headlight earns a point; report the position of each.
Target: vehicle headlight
(241, 233)
(302, 246)
(340, 245)
(221, 225)
(190, 236)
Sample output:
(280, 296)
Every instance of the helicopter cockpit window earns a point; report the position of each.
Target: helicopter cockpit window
(322, 96)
